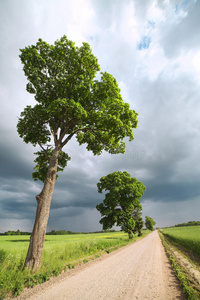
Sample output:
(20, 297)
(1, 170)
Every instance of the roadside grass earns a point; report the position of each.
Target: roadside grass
(186, 241)
(61, 252)
(186, 237)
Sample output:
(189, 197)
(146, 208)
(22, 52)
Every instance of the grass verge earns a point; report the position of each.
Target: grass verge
(189, 286)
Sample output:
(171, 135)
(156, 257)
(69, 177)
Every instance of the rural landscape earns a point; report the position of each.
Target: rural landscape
(66, 251)
(99, 152)
(61, 252)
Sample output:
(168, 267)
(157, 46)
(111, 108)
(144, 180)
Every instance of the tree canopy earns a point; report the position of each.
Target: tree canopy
(123, 197)
(149, 223)
(71, 102)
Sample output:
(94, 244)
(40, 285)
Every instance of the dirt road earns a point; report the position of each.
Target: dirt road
(138, 271)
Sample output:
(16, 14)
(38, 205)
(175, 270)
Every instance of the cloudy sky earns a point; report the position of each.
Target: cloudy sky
(152, 48)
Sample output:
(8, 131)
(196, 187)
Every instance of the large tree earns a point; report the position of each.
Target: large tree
(70, 102)
(123, 197)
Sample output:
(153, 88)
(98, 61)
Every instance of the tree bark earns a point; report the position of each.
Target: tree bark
(34, 255)
(130, 234)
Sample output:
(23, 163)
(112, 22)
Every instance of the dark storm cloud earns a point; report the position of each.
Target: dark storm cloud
(171, 191)
(80, 194)
(78, 220)
(12, 163)
(18, 203)
(17, 208)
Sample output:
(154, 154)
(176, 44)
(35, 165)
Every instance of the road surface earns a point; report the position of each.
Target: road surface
(138, 271)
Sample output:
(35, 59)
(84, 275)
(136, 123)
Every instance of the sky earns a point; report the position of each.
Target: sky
(152, 48)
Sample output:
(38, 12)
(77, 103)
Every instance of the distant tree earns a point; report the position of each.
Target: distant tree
(71, 102)
(139, 223)
(53, 232)
(149, 223)
(190, 223)
(9, 232)
(123, 197)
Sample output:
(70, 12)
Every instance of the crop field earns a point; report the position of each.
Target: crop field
(60, 252)
(187, 237)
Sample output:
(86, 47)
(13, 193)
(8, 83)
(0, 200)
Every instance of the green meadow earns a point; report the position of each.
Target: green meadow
(60, 252)
(187, 237)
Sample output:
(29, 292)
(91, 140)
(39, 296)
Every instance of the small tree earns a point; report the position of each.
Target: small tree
(123, 197)
(139, 223)
(149, 223)
(71, 102)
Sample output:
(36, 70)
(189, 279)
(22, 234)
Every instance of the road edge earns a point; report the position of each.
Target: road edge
(189, 282)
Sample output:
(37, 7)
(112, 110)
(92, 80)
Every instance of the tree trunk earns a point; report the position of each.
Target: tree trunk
(34, 255)
(130, 234)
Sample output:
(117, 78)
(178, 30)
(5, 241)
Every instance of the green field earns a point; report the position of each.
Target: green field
(187, 237)
(60, 252)
(187, 240)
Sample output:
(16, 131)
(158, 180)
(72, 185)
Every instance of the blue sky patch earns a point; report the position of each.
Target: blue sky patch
(152, 24)
(144, 43)
(183, 5)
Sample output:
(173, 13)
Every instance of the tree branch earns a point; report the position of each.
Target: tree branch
(71, 135)
(67, 139)
(45, 152)
(64, 130)
(83, 129)
(55, 135)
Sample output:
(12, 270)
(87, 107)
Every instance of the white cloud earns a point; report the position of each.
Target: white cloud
(81, 21)
(196, 64)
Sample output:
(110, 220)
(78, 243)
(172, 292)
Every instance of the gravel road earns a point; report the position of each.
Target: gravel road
(138, 271)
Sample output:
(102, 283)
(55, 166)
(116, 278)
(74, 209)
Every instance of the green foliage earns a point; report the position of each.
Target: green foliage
(149, 223)
(33, 125)
(71, 102)
(123, 197)
(127, 222)
(42, 163)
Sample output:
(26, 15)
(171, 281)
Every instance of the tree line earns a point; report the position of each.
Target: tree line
(190, 223)
(68, 232)
(17, 232)
(53, 232)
